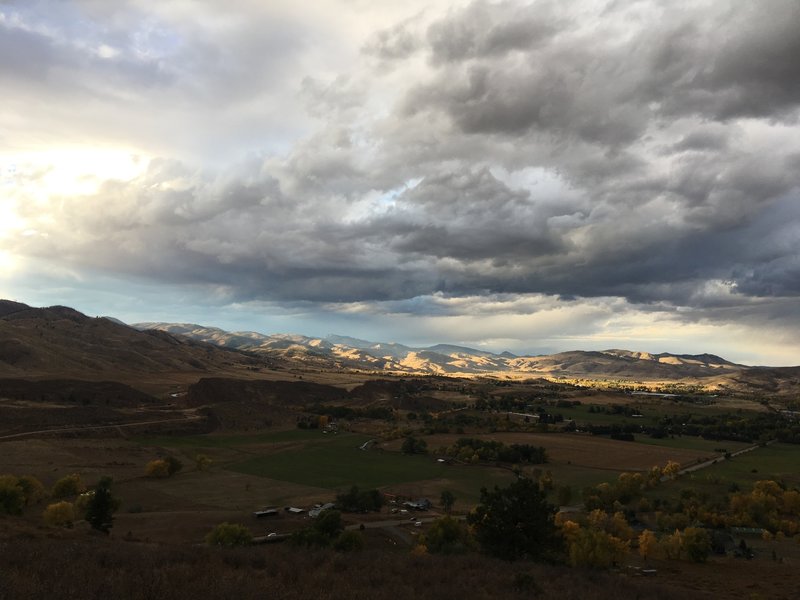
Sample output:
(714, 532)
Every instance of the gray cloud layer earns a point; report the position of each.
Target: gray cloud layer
(632, 149)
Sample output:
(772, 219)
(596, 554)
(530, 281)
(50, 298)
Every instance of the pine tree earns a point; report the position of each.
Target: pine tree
(515, 522)
(101, 506)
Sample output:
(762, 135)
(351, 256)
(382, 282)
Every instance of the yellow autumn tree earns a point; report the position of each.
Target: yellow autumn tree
(672, 545)
(593, 548)
(648, 544)
(671, 470)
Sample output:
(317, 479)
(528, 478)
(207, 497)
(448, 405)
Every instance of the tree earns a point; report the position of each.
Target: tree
(671, 470)
(447, 536)
(229, 534)
(618, 526)
(32, 489)
(672, 545)
(412, 445)
(648, 543)
(71, 485)
(12, 496)
(329, 523)
(515, 522)
(447, 500)
(357, 500)
(696, 543)
(595, 548)
(326, 528)
(59, 514)
(101, 506)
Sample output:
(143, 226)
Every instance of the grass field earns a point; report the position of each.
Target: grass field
(777, 461)
(335, 462)
(302, 459)
(692, 443)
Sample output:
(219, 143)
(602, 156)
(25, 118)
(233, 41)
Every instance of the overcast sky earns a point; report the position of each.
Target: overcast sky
(524, 176)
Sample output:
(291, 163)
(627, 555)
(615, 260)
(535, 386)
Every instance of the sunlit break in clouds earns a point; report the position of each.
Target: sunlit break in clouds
(532, 176)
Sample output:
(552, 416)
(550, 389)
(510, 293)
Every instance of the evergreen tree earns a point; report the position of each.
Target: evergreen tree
(515, 522)
(101, 506)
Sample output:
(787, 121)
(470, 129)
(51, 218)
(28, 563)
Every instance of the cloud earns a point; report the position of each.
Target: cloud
(636, 154)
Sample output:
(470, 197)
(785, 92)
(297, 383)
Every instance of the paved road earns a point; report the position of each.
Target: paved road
(720, 459)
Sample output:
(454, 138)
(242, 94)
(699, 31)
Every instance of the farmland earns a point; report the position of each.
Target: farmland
(291, 444)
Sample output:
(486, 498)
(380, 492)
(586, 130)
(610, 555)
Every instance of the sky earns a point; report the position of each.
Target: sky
(525, 176)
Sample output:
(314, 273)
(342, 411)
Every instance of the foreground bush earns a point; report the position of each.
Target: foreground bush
(229, 534)
(59, 514)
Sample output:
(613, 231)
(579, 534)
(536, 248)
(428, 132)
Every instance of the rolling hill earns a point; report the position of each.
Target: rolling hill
(58, 341)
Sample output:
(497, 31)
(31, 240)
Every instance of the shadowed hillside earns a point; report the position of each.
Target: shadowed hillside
(61, 342)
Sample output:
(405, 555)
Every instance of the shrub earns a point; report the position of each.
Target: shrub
(349, 541)
(157, 468)
(12, 496)
(447, 536)
(202, 462)
(696, 543)
(32, 488)
(173, 465)
(71, 485)
(229, 534)
(59, 514)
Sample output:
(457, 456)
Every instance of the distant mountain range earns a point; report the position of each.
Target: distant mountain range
(336, 351)
(59, 342)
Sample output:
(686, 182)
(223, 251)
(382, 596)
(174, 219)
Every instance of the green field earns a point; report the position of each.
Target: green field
(777, 461)
(335, 462)
(692, 443)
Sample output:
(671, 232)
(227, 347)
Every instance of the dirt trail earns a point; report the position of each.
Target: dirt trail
(79, 428)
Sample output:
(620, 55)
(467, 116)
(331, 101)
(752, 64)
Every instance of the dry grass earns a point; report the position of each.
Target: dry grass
(105, 569)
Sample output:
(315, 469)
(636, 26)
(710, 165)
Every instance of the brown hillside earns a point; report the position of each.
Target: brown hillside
(60, 342)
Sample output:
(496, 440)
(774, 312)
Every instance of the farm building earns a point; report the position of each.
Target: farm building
(315, 512)
(419, 504)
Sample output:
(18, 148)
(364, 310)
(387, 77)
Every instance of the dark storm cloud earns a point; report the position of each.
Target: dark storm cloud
(743, 67)
(494, 30)
(719, 63)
